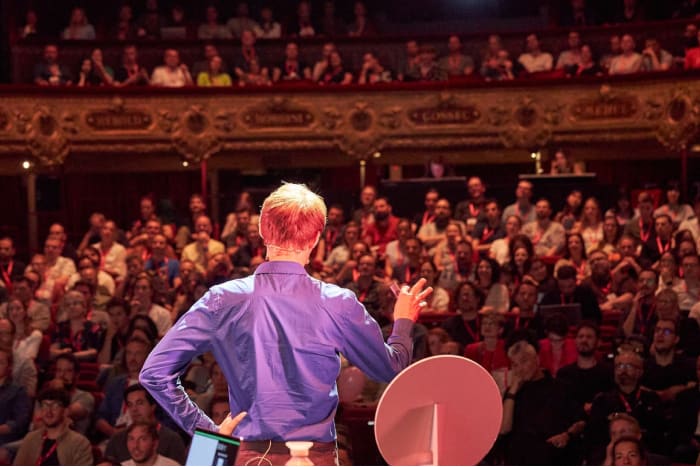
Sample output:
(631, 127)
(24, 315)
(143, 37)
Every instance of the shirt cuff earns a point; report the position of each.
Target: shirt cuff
(402, 327)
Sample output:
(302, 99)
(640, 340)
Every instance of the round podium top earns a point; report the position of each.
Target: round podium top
(458, 393)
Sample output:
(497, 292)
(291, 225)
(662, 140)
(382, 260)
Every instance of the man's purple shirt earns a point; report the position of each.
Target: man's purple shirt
(277, 336)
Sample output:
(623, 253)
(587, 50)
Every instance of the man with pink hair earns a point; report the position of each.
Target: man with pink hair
(277, 336)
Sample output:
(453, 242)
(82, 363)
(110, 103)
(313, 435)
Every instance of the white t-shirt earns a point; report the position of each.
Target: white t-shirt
(160, 460)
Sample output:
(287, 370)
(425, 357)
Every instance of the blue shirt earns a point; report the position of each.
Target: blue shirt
(277, 336)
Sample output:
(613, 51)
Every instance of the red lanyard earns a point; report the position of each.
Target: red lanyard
(538, 234)
(662, 248)
(330, 239)
(473, 211)
(487, 233)
(644, 237)
(291, 67)
(628, 407)
(427, 217)
(76, 340)
(474, 333)
(7, 276)
(644, 320)
(248, 54)
(103, 256)
(564, 300)
(355, 275)
(580, 270)
(43, 458)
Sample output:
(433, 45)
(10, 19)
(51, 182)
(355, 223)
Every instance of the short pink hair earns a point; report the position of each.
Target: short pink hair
(292, 217)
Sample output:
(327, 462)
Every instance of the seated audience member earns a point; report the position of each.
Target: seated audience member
(93, 72)
(247, 54)
(450, 256)
(628, 61)
(15, 405)
(142, 409)
(419, 333)
(408, 271)
(142, 440)
(575, 256)
(489, 228)
(547, 236)
(439, 301)
(587, 65)
(667, 371)
(613, 291)
(409, 64)
(641, 316)
(333, 72)
(38, 313)
(203, 247)
(116, 333)
(557, 349)
(500, 67)
(456, 63)
(211, 28)
(426, 68)
(177, 24)
(292, 68)
(692, 53)
(578, 13)
(56, 443)
(11, 269)
(539, 417)
(366, 286)
(113, 254)
(49, 72)
(267, 28)
(464, 327)
(626, 446)
(372, 71)
(690, 296)
(150, 21)
(436, 338)
(349, 236)
(30, 27)
(27, 339)
(125, 28)
(488, 278)
(159, 261)
(210, 51)
(332, 233)
(663, 231)
(130, 73)
(493, 47)
(587, 376)
(572, 55)
(590, 225)
(134, 267)
(679, 211)
(490, 352)
(321, 65)
(214, 75)
(535, 60)
(242, 22)
(112, 415)
(629, 397)
(614, 51)
(24, 370)
(361, 26)
(567, 292)
(522, 207)
(79, 27)
(631, 12)
(142, 303)
(434, 232)
(172, 74)
(251, 248)
(383, 230)
(255, 76)
(81, 404)
(77, 335)
(500, 248)
(523, 315)
(654, 58)
(684, 422)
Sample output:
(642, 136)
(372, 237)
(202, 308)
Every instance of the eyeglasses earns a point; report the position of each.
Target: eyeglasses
(627, 366)
(50, 404)
(664, 331)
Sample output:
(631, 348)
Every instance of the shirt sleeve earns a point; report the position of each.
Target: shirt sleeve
(364, 345)
(165, 365)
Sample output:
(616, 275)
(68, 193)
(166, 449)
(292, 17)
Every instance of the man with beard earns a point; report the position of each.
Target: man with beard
(383, 230)
(142, 441)
(629, 397)
(610, 294)
(364, 215)
(641, 226)
(10, 269)
(489, 229)
(332, 234)
(159, 260)
(433, 232)
(651, 252)
(641, 316)
(407, 272)
(366, 287)
(81, 403)
(56, 443)
(667, 371)
(587, 376)
(470, 211)
(142, 409)
(547, 235)
(431, 198)
(567, 292)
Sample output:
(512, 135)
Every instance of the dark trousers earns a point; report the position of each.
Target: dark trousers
(267, 453)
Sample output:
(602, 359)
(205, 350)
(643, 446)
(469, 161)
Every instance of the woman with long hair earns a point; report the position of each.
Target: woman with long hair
(575, 255)
(488, 275)
(590, 225)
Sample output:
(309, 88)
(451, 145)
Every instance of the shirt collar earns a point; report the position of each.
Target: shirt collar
(280, 267)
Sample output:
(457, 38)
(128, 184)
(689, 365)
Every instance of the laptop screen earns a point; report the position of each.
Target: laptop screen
(209, 448)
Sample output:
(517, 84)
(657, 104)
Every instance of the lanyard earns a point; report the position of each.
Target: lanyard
(473, 211)
(580, 270)
(474, 333)
(623, 399)
(7, 276)
(662, 248)
(43, 458)
(644, 236)
(427, 217)
(644, 320)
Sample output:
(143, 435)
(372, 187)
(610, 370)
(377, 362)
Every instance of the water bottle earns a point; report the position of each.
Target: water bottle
(299, 452)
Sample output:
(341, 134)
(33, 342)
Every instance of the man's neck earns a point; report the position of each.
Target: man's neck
(150, 461)
(523, 203)
(469, 315)
(55, 432)
(543, 223)
(364, 282)
(586, 362)
(278, 254)
(663, 357)
(494, 223)
(491, 342)
(104, 244)
(627, 389)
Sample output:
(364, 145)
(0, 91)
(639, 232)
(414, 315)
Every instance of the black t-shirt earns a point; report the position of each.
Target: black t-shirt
(657, 377)
(460, 331)
(584, 384)
(49, 453)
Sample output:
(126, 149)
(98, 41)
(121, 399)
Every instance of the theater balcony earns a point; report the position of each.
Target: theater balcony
(646, 116)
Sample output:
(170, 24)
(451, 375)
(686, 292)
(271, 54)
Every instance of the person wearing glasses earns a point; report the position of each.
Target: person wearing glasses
(628, 396)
